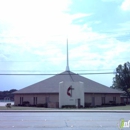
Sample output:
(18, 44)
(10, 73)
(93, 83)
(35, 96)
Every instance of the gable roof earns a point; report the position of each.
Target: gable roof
(51, 85)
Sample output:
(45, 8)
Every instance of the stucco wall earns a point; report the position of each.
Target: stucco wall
(41, 98)
(98, 98)
(54, 98)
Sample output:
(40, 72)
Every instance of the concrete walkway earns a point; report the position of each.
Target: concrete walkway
(4, 103)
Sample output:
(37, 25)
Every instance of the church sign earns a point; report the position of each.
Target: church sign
(71, 93)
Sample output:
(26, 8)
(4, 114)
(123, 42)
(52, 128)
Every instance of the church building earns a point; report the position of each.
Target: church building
(67, 89)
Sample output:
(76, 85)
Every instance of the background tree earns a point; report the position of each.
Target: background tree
(122, 78)
(7, 93)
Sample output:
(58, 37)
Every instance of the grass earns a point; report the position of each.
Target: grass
(23, 108)
(127, 107)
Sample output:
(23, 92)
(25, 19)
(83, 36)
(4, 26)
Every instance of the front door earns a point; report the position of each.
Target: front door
(78, 103)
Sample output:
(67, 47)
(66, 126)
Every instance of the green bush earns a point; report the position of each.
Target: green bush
(41, 105)
(87, 104)
(68, 106)
(26, 103)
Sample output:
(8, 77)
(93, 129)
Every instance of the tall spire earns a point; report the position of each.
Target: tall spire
(67, 58)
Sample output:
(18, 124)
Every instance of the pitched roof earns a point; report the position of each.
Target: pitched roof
(51, 85)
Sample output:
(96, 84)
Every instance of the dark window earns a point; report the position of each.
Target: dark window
(103, 100)
(35, 100)
(114, 99)
(21, 100)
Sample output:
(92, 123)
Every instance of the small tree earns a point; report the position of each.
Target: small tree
(122, 78)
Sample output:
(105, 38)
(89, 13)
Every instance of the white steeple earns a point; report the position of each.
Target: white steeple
(67, 58)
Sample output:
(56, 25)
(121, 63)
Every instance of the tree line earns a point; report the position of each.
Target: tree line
(7, 94)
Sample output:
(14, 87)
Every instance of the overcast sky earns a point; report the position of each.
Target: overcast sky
(33, 35)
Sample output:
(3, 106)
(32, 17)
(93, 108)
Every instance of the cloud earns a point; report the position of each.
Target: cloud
(126, 5)
(34, 18)
(79, 15)
(37, 29)
(99, 54)
(34, 22)
(35, 38)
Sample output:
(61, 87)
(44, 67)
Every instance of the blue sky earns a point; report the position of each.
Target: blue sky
(33, 37)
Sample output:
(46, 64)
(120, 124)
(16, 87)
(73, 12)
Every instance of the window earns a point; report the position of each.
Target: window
(35, 100)
(103, 100)
(21, 100)
(114, 99)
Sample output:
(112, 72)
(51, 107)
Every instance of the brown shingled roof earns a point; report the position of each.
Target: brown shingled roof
(51, 85)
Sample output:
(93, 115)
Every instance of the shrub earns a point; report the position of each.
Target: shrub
(81, 106)
(98, 105)
(113, 103)
(25, 103)
(45, 105)
(106, 104)
(39, 105)
(87, 104)
(122, 104)
(68, 106)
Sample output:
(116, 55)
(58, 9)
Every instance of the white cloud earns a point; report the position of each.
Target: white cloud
(126, 5)
(39, 31)
(80, 15)
(38, 22)
(104, 53)
(34, 18)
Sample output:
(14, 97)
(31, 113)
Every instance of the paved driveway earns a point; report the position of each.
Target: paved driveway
(61, 121)
(4, 103)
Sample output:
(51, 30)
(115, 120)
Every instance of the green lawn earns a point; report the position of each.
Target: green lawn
(39, 108)
(127, 107)
(23, 108)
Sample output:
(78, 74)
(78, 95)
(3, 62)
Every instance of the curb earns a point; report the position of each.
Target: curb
(87, 111)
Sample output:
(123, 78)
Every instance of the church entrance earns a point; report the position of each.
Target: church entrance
(71, 93)
(79, 103)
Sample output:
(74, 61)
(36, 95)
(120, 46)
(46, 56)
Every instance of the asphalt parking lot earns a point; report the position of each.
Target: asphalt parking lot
(61, 120)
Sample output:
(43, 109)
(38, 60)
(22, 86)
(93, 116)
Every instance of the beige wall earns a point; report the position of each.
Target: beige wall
(41, 98)
(98, 98)
(54, 98)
